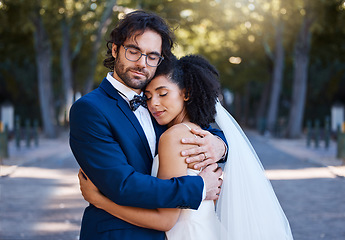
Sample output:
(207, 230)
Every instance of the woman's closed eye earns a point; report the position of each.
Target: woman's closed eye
(148, 98)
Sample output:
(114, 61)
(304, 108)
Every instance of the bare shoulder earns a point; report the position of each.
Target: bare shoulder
(171, 163)
(175, 133)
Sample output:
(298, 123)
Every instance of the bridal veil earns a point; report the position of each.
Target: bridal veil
(247, 207)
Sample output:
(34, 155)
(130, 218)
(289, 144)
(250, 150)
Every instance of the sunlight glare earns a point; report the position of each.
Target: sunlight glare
(302, 12)
(93, 38)
(306, 173)
(78, 6)
(93, 6)
(121, 15)
(186, 13)
(247, 24)
(251, 38)
(251, 7)
(213, 3)
(235, 60)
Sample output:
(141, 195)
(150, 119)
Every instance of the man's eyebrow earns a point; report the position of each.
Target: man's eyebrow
(133, 46)
(138, 48)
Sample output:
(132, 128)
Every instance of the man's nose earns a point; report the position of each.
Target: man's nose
(141, 62)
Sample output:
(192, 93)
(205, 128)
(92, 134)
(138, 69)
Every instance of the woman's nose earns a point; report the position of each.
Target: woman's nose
(155, 101)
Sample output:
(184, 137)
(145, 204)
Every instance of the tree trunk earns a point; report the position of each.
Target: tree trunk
(66, 68)
(238, 108)
(246, 104)
(301, 62)
(105, 21)
(277, 78)
(43, 61)
(262, 109)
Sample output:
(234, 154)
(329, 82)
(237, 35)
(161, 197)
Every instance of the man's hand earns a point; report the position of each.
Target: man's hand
(211, 176)
(209, 149)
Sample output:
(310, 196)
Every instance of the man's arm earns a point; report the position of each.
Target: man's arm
(102, 158)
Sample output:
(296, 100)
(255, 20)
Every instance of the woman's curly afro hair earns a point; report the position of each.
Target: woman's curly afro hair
(200, 79)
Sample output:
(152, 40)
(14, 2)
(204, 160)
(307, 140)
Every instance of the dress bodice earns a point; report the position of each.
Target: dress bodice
(201, 224)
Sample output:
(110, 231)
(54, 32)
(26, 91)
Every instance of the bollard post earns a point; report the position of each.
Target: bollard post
(309, 130)
(35, 132)
(6, 141)
(317, 133)
(327, 132)
(27, 132)
(17, 132)
(341, 144)
(3, 142)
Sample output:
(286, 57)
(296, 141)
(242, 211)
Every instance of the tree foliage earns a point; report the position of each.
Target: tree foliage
(238, 37)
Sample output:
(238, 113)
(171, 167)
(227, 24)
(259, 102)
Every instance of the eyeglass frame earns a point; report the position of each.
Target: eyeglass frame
(161, 58)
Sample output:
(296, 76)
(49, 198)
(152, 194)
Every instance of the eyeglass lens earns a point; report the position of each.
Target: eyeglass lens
(134, 55)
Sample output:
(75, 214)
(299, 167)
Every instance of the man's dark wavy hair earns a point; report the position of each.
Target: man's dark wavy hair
(200, 79)
(136, 23)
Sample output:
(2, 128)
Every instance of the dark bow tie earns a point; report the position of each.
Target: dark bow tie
(137, 101)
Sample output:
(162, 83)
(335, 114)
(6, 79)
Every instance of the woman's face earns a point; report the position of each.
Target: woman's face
(166, 101)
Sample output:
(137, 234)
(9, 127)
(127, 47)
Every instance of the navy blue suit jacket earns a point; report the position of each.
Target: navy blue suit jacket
(111, 147)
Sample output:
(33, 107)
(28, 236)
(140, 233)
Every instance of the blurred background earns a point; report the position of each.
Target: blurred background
(282, 63)
(282, 70)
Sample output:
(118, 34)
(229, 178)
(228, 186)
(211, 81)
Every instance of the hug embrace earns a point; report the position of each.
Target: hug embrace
(148, 155)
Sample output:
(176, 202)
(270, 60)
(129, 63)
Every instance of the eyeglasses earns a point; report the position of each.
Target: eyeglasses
(133, 55)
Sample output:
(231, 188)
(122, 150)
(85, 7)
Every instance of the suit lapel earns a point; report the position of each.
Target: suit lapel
(124, 107)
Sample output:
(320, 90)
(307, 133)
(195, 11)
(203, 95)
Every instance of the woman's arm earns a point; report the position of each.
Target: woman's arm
(146, 218)
(171, 164)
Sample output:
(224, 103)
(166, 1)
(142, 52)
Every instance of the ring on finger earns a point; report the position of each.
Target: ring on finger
(205, 155)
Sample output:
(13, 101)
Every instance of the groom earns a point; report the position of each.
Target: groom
(114, 138)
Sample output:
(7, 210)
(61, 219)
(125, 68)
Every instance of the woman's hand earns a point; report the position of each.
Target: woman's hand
(89, 191)
(210, 149)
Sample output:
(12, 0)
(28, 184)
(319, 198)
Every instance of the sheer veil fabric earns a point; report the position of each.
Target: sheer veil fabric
(247, 207)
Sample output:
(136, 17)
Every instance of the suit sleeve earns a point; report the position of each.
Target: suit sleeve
(100, 155)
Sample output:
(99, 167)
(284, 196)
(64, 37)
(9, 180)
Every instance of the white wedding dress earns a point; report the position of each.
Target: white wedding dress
(247, 209)
(201, 224)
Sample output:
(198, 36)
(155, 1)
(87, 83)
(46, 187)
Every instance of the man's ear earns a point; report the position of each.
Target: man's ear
(114, 50)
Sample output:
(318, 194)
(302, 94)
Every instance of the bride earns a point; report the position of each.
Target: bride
(183, 96)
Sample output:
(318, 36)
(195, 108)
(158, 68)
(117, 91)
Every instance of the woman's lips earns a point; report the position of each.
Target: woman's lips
(158, 113)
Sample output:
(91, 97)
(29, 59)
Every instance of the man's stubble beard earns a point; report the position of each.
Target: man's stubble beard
(133, 83)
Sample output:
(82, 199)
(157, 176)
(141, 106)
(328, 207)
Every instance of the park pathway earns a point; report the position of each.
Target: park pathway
(312, 196)
(40, 198)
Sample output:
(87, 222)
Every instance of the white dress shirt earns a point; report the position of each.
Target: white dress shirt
(142, 114)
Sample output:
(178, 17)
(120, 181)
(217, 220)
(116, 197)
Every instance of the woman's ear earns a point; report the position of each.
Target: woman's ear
(186, 95)
(114, 50)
